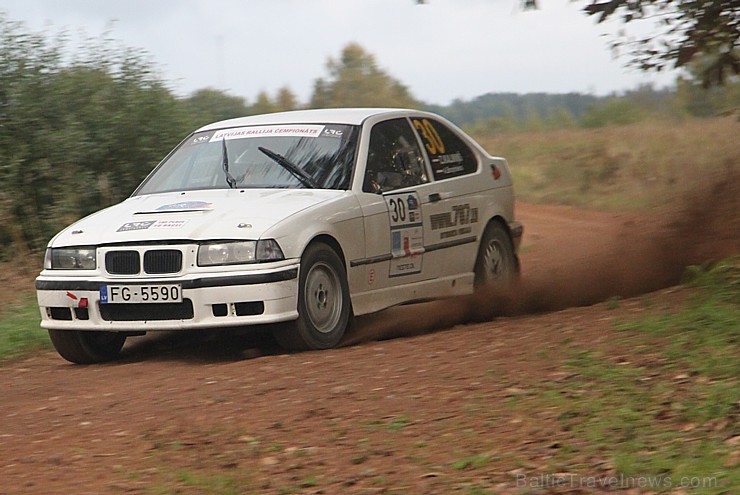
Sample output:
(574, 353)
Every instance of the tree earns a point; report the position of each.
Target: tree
(263, 104)
(355, 80)
(690, 99)
(560, 118)
(286, 100)
(74, 136)
(614, 111)
(209, 105)
(685, 31)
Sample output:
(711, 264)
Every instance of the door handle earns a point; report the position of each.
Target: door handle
(434, 197)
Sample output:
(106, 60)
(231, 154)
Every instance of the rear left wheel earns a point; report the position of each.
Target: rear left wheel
(83, 347)
(496, 263)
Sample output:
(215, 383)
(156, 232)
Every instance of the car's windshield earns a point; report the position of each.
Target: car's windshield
(235, 157)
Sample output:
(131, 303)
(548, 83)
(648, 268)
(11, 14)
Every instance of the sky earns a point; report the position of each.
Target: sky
(442, 50)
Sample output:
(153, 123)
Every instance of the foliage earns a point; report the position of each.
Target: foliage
(721, 279)
(74, 136)
(210, 105)
(509, 112)
(616, 111)
(517, 109)
(19, 330)
(692, 99)
(284, 100)
(683, 31)
(263, 104)
(355, 80)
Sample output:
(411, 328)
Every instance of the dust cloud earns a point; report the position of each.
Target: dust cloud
(644, 253)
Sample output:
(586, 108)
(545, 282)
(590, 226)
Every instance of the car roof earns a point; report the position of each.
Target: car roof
(352, 116)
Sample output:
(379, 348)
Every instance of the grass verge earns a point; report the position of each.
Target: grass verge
(20, 332)
(669, 415)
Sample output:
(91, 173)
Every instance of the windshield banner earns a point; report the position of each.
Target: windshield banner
(306, 130)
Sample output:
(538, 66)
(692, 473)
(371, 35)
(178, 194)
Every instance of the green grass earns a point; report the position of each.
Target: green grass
(20, 332)
(210, 483)
(477, 461)
(703, 339)
(667, 413)
(201, 482)
(399, 423)
(394, 424)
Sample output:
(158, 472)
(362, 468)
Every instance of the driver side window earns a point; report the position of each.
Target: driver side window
(394, 159)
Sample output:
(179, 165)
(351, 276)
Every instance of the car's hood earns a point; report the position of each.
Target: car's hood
(192, 215)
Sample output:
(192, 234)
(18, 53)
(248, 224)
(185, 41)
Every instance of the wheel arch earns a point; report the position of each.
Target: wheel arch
(333, 243)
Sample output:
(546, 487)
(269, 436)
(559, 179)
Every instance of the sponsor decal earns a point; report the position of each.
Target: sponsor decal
(127, 227)
(201, 139)
(329, 132)
(448, 164)
(449, 159)
(407, 233)
(396, 241)
(413, 208)
(169, 224)
(456, 222)
(305, 130)
(452, 170)
(152, 224)
(371, 276)
(186, 205)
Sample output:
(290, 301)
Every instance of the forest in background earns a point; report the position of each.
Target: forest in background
(80, 129)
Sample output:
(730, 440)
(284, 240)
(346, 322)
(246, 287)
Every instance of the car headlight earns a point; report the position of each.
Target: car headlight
(238, 252)
(70, 258)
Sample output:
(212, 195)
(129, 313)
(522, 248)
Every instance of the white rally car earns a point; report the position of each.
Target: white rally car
(304, 218)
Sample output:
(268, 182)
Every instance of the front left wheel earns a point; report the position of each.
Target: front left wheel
(83, 347)
(324, 307)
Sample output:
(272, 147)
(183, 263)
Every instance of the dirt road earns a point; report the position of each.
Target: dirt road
(231, 414)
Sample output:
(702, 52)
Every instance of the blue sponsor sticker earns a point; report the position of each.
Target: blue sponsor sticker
(395, 241)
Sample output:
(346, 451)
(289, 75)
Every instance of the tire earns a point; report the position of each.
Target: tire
(324, 306)
(82, 347)
(496, 264)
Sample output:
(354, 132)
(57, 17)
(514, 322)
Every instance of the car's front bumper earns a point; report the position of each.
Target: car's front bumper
(247, 297)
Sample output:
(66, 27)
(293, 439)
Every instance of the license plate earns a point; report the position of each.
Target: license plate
(123, 294)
